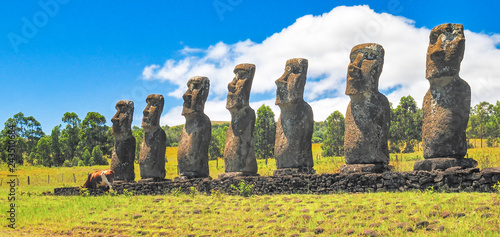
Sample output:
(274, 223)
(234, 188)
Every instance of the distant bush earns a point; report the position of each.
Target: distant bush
(67, 163)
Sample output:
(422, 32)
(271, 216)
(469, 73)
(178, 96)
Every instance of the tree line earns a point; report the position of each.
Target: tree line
(89, 141)
(78, 143)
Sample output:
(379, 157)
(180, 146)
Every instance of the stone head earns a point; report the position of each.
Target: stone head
(152, 112)
(291, 84)
(196, 95)
(445, 51)
(122, 120)
(239, 89)
(365, 67)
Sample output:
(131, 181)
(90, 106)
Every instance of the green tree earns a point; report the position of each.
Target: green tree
(472, 128)
(138, 133)
(76, 161)
(70, 135)
(265, 132)
(97, 157)
(4, 146)
(85, 158)
(333, 144)
(107, 147)
(42, 152)
(493, 127)
(406, 125)
(12, 140)
(28, 132)
(173, 134)
(319, 131)
(56, 150)
(93, 132)
(32, 131)
(481, 112)
(218, 141)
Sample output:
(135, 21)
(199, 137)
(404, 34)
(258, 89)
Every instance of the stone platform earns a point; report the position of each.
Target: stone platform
(451, 180)
(444, 163)
(365, 168)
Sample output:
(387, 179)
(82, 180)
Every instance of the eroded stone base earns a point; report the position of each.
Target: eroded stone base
(365, 168)
(292, 171)
(190, 175)
(148, 180)
(236, 174)
(444, 163)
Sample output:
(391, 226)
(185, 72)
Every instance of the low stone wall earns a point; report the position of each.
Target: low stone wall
(451, 180)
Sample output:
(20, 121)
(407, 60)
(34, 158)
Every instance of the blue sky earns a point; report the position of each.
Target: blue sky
(85, 56)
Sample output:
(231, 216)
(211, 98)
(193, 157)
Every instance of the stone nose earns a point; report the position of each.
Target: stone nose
(186, 96)
(282, 80)
(358, 60)
(231, 87)
(353, 70)
(115, 118)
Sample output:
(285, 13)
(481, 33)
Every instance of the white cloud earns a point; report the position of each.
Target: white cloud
(326, 41)
(147, 73)
(188, 50)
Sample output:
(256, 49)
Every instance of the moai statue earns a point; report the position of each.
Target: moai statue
(292, 148)
(123, 156)
(192, 155)
(368, 113)
(239, 153)
(154, 143)
(446, 104)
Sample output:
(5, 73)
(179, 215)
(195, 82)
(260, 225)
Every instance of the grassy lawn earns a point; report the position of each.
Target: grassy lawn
(384, 214)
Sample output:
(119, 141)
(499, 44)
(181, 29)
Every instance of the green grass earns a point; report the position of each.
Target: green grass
(224, 215)
(458, 214)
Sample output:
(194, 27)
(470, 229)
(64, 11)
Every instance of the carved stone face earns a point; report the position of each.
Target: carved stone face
(239, 89)
(196, 95)
(152, 112)
(445, 51)
(122, 120)
(291, 83)
(365, 67)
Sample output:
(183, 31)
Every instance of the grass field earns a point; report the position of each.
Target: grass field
(385, 214)
(373, 214)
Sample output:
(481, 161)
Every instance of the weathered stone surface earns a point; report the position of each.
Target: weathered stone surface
(294, 128)
(236, 174)
(192, 155)
(368, 113)
(123, 155)
(446, 104)
(154, 143)
(364, 168)
(148, 180)
(443, 163)
(293, 171)
(239, 153)
(452, 180)
(491, 171)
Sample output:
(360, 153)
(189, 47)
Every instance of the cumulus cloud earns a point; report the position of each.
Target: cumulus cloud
(326, 41)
